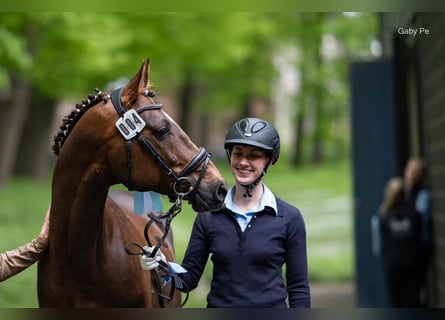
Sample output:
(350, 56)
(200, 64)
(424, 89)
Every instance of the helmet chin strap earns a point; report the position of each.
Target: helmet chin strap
(250, 186)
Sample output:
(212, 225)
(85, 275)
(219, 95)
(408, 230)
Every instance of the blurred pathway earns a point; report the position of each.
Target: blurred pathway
(333, 295)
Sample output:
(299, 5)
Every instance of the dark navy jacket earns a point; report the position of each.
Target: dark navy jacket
(401, 230)
(247, 266)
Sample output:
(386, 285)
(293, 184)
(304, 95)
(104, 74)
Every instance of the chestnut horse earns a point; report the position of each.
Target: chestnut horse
(122, 137)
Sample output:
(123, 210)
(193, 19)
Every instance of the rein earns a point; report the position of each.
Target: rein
(168, 275)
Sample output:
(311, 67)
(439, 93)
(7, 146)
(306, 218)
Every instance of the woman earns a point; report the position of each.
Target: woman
(401, 246)
(252, 236)
(15, 261)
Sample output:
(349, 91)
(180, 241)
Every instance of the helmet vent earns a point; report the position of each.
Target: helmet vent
(258, 126)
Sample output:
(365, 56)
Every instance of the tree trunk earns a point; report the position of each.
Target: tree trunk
(317, 138)
(34, 155)
(186, 93)
(297, 157)
(204, 129)
(318, 134)
(13, 115)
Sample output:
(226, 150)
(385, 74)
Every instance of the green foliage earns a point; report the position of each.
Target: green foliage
(23, 208)
(87, 49)
(227, 56)
(13, 53)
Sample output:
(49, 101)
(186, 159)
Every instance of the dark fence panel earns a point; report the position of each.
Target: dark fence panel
(375, 155)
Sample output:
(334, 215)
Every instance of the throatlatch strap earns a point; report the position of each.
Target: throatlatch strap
(129, 164)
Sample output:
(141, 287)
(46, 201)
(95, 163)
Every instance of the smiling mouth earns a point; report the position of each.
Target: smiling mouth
(244, 173)
(243, 170)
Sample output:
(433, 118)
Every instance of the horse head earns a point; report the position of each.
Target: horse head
(139, 145)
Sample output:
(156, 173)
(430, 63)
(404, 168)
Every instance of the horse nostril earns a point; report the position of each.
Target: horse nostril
(221, 192)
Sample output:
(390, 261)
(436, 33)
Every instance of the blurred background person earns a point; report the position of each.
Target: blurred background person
(402, 249)
(418, 194)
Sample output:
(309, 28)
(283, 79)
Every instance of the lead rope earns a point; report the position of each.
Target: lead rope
(163, 266)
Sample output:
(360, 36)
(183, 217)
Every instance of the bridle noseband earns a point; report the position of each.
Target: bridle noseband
(131, 124)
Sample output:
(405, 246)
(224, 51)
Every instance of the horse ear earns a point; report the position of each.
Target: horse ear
(139, 82)
(144, 75)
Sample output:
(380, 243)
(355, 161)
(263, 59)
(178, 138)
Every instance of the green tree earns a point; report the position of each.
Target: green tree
(208, 63)
(53, 55)
(15, 60)
(326, 43)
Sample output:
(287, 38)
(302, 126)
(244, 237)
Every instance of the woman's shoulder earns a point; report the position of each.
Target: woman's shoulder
(400, 211)
(287, 209)
(285, 204)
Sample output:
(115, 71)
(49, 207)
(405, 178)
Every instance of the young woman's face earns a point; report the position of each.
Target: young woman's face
(247, 163)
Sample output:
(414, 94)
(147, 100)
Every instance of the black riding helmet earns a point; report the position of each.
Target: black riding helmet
(257, 133)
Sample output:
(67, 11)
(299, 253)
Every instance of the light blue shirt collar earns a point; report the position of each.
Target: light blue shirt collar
(267, 200)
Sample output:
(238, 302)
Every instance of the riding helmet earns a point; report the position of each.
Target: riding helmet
(254, 132)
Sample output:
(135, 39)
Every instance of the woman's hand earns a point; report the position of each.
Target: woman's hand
(44, 232)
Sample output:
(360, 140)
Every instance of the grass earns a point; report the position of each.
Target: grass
(323, 194)
(23, 207)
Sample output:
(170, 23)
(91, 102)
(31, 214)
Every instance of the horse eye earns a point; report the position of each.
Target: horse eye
(162, 133)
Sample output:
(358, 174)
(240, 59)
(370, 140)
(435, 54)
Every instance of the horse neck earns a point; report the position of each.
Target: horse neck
(77, 209)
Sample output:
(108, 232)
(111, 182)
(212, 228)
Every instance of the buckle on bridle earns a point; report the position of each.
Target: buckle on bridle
(181, 190)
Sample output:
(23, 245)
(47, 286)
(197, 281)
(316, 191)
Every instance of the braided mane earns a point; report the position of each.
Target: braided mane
(69, 121)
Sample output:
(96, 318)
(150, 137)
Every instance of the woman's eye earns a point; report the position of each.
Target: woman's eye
(253, 156)
(249, 157)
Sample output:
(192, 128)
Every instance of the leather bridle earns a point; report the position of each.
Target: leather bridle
(129, 129)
